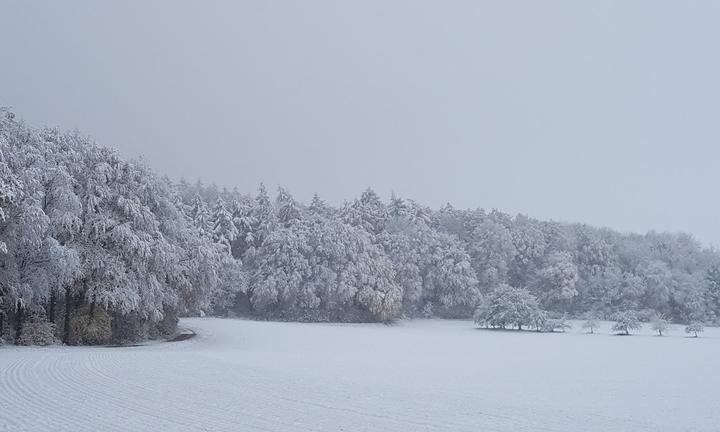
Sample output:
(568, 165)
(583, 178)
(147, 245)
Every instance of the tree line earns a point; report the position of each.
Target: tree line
(95, 248)
(447, 262)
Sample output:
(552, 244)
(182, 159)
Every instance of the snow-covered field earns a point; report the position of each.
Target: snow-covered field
(413, 376)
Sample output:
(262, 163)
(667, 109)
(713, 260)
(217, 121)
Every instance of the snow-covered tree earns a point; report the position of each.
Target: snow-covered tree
(660, 324)
(433, 268)
(263, 215)
(659, 285)
(224, 230)
(318, 207)
(712, 291)
(491, 248)
(450, 278)
(288, 211)
(367, 212)
(245, 223)
(507, 306)
(626, 322)
(200, 215)
(591, 324)
(559, 324)
(109, 240)
(557, 279)
(694, 328)
(325, 270)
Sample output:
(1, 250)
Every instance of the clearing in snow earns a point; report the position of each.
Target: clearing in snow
(429, 375)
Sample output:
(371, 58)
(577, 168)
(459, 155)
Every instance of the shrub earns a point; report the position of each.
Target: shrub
(37, 333)
(90, 326)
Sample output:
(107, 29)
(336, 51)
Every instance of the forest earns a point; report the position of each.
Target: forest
(97, 249)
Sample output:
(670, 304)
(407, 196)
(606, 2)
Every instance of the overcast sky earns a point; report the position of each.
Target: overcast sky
(599, 112)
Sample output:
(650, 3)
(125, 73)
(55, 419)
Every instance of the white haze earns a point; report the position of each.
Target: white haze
(604, 113)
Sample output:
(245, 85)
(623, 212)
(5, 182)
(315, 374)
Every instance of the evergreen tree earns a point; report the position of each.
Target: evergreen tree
(224, 230)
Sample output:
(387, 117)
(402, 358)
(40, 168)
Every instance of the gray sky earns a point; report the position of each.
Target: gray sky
(599, 112)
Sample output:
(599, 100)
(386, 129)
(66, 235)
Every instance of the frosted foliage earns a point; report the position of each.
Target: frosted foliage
(200, 215)
(224, 230)
(79, 221)
(288, 211)
(507, 306)
(558, 278)
(528, 240)
(695, 328)
(660, 324)
(367, 212)
(316, 269)
(492, 249)
(82, 228)
(430, 267)
(626, 322)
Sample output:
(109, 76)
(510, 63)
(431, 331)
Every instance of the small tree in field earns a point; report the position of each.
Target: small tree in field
(560, 324)
(507, 306)
(660, 324)
(591, 324)
(695, 328)
(626, 322)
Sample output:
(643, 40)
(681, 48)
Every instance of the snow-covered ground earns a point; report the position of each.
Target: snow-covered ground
(413, 376)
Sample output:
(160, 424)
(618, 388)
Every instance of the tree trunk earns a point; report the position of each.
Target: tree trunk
(84, 297)
(2, 323)
(51, 307)
(19, 318)
(68, 309)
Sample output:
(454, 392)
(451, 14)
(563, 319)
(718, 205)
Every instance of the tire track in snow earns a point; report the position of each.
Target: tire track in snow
(142, 402)
(238, 376)
(265, 396)
(32, 397)
(310, 397)
(91, 384)
(183, 405)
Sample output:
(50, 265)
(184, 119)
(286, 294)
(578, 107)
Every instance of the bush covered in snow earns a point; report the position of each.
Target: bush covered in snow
(79, 225)
(660, 324)
(556, 324)
(90, 326)
(695, 328)
(509, 307)
(626, 322)
(37, 333)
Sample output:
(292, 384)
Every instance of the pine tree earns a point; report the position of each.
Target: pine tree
(224, 230)
(200, 215)
(287, 209)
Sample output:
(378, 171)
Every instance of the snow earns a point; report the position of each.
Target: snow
(425, 375)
